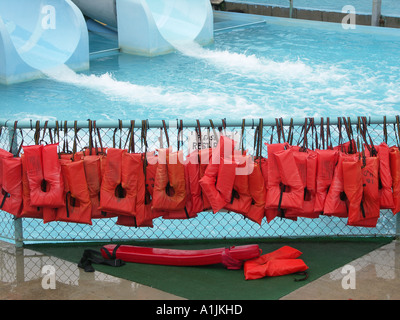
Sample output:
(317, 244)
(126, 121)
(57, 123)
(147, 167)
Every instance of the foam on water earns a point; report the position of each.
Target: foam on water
(257, 73)
(336, 88)
(261, 71)
(166, 97)
(261, 68)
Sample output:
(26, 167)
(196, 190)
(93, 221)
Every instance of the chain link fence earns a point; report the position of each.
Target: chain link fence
(151, 135)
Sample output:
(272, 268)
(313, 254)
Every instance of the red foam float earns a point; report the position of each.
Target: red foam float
(176, 257)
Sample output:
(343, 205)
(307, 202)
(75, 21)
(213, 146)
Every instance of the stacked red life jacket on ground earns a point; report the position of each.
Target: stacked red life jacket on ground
(280, 262)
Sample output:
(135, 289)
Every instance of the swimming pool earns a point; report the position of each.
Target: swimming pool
(389, 7)
(275, 67)
(269, 67)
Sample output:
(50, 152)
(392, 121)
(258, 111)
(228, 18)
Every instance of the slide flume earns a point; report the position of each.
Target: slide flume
(151, 27)
(36, 35)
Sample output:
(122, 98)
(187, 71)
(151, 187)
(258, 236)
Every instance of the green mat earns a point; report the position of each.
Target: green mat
(217, 283)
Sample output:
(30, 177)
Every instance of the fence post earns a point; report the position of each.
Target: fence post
(18, 233)
(376, 12)
(398, 226)
(18, 230)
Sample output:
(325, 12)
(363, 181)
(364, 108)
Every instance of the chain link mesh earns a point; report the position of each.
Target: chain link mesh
(206, 224)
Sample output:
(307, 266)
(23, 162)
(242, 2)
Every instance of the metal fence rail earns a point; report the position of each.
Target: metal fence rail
(151, 135)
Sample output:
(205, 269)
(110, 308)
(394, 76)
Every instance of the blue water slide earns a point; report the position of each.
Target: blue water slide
(153, 27)
(37, 35)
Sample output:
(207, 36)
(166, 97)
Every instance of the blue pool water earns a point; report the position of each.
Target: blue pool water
(279, 68)
(389, 7)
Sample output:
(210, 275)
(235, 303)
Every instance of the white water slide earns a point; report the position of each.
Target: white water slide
(36, 35)
(152, 27)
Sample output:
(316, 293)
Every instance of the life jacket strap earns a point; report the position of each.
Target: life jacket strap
(305, 273)
(6, 195)
(280, 210)
(92, 256)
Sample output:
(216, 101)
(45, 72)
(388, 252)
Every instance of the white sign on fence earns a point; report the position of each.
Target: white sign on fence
(210, 138)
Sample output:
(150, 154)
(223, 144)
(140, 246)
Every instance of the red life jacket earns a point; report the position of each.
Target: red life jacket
(111, 191)
(349, 147)
(150, 177)
(269, 213)
(385, 176)
(294, 197)
(336, 201)
(3, 155)
(119, 186)
(28, 211)
(170, 185)
(241, 199)
(195, 167)
(3, 179)
(143, 214)
(371, 201)
(11, 197)
(277, 263)
(258, 193)
(326, 164)
(205, 156)
(195, 197)
(46, 185)
(285, 188)
(49, 214)
(352, 179)
(394, 156)
(78, 207)
(194, 202)
(272, 179)
(94, 170)
(219, 177)
(361, 188)
(306, 162)
(92, 152)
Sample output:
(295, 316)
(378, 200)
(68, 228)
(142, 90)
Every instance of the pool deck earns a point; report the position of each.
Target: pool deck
(377, 278)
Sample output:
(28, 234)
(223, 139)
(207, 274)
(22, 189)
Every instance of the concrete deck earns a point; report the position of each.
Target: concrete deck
(377, 277)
